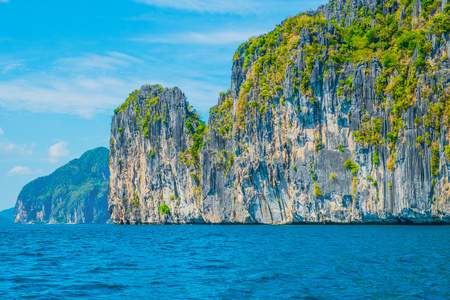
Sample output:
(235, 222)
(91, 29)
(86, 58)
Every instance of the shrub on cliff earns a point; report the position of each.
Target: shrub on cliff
(164, 209)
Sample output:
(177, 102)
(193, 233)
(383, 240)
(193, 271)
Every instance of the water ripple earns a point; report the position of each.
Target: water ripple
(224, 262)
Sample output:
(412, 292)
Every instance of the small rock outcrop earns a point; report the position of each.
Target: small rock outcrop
(76, 193)
(339, 115)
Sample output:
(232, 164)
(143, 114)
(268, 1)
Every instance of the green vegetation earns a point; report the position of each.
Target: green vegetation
(136, 201)
(376, 158)
(349, 164)
(223, 121)
(333, 176)
(266, 74)
(263, 110)
(197, 130)
(319, 144)
(195, 177)
(447, 152)
(132, 98)
(271, 60)
(435, 159)
(317, 190)
(164, 209)
(65, 191)
(392, 38)
(354, 187)
(226, 163)
(61, 219)
(370, 133)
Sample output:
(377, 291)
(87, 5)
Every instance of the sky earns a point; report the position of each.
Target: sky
(66, 65)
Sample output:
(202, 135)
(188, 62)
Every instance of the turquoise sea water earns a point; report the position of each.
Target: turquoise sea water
(224, 262)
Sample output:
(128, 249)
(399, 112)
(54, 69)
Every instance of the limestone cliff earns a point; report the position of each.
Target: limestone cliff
(339, 115)
(154, 159)
(76, 193)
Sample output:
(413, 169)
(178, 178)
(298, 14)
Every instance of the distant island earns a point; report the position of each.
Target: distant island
(339, 115)
(76, 193)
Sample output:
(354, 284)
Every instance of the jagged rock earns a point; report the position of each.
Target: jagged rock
(303, 135)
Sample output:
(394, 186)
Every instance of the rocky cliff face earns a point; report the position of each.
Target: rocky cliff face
(155, 143)
(339, 115)
(76, 193)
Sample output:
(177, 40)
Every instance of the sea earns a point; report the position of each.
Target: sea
(224, 262)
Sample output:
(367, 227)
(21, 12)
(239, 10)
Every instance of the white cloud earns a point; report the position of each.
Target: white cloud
(58, 151)
(211, 38)
(19, 170)
(2, 132)
(4, 1)
(211, 6)
(7, 148)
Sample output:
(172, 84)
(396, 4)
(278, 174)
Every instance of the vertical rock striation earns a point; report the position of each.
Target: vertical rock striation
(340, 115)
(155, 159)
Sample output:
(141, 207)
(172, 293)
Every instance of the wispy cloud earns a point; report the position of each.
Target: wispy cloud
(112, 60)
(83, 96)
(19, 170)
(210, 6)
(95, 84)
(210, 38)
(238, 7)
(58, 151)
(4, 1)
(84, 86)
(7, 66)
(7, 149)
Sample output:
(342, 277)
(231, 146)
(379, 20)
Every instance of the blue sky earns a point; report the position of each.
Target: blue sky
(65, 66)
